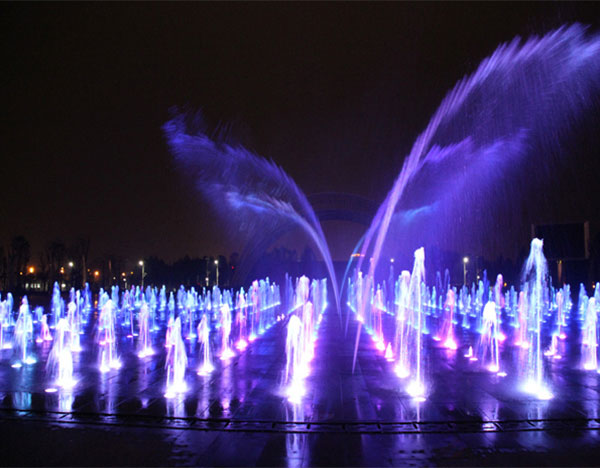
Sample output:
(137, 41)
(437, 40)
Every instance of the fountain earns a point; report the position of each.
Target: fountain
(401, 335)
(535, 277)
(74, 325)
(589, 342)
(144, 340)
(204, 340)
(241, 320)
(447, 334)
(60, 361)
(243, 185)
(489, 352)
(4, 323)
(490, 121)
(107, 339)
(45, 334)
(226, 351)
(22, 336)
(176, 363)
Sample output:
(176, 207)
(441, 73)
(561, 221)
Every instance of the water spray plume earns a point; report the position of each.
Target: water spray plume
(246, 189)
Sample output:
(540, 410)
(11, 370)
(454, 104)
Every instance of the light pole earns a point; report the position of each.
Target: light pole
(71, 265)
(217, 268)
(141, 263)
(465, 261)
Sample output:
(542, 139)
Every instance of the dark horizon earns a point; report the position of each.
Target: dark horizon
(334, 93)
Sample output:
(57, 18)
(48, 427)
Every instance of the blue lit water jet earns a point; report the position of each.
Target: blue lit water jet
(518, 97)
(535, 278)
(245, 188)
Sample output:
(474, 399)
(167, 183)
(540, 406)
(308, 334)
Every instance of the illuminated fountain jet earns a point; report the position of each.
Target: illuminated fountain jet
(447, 334)
(74, 326)
(488, 344)
(560, 315)
(535, 278)
(416, 307)
(377, 310)
(241, 321)
(4, 323)
(293, 349)
(144, 340)
(226, 351)
(589, 342)
(23, 334)
(107, 339)
(60, 361)
(402, 368)
(176, 363)
(254, 299)
(522, 336)
(301, 338)
(169, 332)
(204, 340)
(55, 304)
(45, 334)
(500, 304)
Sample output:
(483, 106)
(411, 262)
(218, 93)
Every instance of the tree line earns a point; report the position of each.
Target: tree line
(69, 264)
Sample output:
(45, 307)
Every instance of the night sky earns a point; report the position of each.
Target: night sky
(335, 93)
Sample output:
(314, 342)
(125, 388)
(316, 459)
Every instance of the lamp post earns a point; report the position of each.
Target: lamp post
(71, 265)
(465, 261)
(217, 268)
(141, 263)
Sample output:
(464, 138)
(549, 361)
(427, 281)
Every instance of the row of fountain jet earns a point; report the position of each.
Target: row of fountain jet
(535, 318)
(221, 322)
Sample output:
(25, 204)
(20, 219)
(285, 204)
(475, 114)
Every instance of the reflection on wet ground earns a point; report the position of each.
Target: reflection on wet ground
(239, 414)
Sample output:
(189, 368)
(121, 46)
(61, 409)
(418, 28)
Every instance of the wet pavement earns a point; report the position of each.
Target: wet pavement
(239, 415)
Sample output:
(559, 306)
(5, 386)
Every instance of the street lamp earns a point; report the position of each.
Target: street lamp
(71, 265)
(465, 261)
(141, 263)
(217, 268)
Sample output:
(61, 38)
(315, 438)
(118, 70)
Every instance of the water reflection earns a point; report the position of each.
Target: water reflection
(175, 406)
(295, 443)
(108, 392)
(22, 400)
(65, 401)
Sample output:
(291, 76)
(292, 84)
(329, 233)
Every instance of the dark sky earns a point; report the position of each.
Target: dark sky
(335, 93)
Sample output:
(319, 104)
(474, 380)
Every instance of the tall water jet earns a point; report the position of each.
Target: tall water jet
(176, 363)
(144, 340)
(293, 353)
(535, 281)
(447, 335)
(301, 336)
(4, 323)
(73, 320)
(416, 310)
(23, 334)
(254, 299)
(60, 361)
(107, 339)
(401, 336)
(241, 320)
(561, 322)
(55, 304)
(226, 351)
(589, 342)
(489, 349)
(377, 310)
(206, 367)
